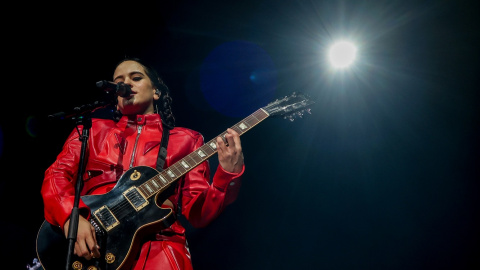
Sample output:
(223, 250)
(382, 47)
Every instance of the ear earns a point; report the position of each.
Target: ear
(156, 94)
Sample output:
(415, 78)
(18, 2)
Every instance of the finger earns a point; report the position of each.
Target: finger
(82, 250)
(234, 138)
(225, 139)
(93, 246)
(222, 142)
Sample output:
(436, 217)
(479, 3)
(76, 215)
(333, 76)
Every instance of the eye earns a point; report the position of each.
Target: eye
(137, 78)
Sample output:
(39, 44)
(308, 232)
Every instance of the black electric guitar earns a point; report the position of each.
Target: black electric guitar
(129, 211)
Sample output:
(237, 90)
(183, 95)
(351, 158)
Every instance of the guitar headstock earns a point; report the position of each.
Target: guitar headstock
(290, 107)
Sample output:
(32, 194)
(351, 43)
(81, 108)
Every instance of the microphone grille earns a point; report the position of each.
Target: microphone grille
(102, 84)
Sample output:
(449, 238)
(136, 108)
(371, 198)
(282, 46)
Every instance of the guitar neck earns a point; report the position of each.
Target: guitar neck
(163, 180)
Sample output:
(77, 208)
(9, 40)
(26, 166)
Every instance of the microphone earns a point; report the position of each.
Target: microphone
(120, 89)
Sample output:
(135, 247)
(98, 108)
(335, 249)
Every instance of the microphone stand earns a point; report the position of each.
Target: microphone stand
(86, 121)
(82, 116)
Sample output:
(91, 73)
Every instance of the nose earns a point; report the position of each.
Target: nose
(128, 82)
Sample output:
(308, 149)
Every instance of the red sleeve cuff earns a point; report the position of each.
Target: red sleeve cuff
(223, 179)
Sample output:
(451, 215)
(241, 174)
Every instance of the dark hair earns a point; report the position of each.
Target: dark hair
(163, 106)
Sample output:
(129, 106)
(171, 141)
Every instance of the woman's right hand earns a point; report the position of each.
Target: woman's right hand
(86, 245)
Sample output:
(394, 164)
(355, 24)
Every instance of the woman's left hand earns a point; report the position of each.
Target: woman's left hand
(230, 155)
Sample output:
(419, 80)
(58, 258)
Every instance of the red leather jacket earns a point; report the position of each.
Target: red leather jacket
(115, 147)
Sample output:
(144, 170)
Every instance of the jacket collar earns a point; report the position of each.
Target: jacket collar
(140, 119)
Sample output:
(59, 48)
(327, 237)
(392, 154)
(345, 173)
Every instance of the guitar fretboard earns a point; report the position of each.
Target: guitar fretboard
(162, 180)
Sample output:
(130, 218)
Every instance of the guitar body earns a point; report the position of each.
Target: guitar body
(122, 217)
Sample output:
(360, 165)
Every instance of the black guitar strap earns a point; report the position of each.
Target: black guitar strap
(162, 153)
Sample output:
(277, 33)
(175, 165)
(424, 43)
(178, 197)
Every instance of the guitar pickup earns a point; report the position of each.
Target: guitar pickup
(135, 198)
(106, 218)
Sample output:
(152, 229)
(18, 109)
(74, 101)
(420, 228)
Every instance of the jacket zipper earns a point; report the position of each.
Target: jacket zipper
(139, 130)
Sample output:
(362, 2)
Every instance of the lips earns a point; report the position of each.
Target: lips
(132, 94)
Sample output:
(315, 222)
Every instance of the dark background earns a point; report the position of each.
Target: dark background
(382, 175)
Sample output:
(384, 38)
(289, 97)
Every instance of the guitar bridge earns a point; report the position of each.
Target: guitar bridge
(98, 230)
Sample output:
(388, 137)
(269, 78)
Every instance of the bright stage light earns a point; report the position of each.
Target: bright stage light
(342, 54)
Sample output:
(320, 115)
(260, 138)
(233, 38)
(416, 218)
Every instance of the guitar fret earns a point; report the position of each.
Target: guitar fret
(260, 115)
(244, 126)
(163, 180)
(251, 123)
(191, 160)
(142, 189)
(179, 169)
(170, 173)
(184, 164)
(200, 153)
(254, 119)
(159, 181)
(183, 167)
(207, 149)
(237, 129)
(150, 190)
(241, 127)
(263, 112)
(213, 145)
(154, 182)
(196, 158)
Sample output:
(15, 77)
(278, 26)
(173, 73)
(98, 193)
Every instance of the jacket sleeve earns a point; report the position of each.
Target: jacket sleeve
(203, 201)
(58, 188)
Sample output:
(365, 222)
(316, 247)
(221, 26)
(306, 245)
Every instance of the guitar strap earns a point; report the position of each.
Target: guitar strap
(162, 155)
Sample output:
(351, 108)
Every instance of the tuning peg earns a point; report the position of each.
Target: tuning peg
(290, 117)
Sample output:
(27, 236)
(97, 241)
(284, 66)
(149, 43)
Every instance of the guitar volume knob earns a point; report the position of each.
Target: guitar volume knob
(77, 265)
(109, 257)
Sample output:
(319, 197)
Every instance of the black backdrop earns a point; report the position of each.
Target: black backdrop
(382, 175)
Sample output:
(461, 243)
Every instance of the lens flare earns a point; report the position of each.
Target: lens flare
(342, 54)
